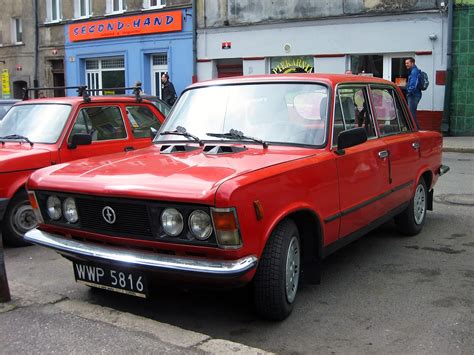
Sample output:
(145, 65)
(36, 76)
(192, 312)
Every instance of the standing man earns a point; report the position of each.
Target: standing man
(413, 89)
(168, 93)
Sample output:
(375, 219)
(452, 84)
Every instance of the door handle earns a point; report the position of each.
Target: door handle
(383, 154)
(416, 145)
(128, 149)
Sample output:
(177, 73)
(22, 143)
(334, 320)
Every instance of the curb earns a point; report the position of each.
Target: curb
(458, 150)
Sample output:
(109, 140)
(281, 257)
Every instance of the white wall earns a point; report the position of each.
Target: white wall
(358, 35)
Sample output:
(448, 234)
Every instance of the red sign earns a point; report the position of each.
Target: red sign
(127, 26)
(226, 45)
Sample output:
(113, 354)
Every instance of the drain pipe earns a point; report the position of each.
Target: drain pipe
(446, 122)
(194, 42)
(35, 80)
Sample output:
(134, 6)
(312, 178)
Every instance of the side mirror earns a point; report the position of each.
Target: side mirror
(351, 137)
(79, 139)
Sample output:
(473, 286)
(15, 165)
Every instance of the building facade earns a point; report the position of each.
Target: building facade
(370, 37)
(136, 41)
(462, 95)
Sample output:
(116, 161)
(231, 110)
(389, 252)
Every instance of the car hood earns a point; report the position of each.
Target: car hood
(148, 173)
(16, 157)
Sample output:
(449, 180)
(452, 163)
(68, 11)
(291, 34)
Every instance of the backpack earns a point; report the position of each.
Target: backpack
(424, 82)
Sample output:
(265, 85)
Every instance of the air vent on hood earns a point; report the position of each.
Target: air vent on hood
(223, 149)
(177, 148)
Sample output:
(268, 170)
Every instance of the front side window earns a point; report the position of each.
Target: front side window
(17, 30)
(101, 122)
(388, 112)
(288, 113)
(53, 10)
(351, 111)
(142, 121)
(39, 123)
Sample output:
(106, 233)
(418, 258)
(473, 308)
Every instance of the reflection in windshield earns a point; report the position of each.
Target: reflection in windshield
(278, 113)
(41, 123)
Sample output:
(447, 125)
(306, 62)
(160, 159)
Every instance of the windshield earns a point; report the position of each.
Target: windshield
(294, 113)
(4, 107)
(41, 123)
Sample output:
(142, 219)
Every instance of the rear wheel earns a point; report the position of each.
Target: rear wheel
(19, 219)
(277, 277)
(410, 222)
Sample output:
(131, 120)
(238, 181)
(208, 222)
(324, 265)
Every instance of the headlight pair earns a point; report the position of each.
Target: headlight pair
(199, 223)
(57, 209)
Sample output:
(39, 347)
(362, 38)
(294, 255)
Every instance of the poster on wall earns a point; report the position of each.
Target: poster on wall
(288, 65)
(6, 94)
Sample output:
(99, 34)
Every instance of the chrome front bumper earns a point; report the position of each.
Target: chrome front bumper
(141, 259)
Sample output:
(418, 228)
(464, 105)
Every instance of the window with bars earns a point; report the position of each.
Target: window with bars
(53, 10)
(160, 59)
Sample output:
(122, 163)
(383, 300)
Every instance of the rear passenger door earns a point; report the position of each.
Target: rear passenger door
(402, 142)
(362, 169)
(105, 124)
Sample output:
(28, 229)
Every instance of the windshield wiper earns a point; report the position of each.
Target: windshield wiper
(181, 131)
(17, 137)
(238, 135)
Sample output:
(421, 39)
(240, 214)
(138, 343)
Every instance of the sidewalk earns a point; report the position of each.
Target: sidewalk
(458, 144)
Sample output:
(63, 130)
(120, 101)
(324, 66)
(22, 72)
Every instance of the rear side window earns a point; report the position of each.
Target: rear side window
(101, 122)
(142, 121)
(388, 112)
(352, 111)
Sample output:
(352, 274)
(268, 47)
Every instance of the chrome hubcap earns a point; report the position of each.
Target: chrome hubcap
(419, 204)
(23, 219)
(292, 269)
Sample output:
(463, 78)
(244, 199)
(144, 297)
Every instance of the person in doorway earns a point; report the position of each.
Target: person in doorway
(168, 93)
(413, 89)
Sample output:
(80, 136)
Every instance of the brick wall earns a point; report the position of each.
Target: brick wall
(462, 99)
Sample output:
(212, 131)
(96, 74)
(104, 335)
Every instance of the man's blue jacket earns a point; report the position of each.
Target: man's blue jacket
(413, 85)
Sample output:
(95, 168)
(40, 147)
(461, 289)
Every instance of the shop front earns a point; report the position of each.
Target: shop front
(373, 46)
(118, 52)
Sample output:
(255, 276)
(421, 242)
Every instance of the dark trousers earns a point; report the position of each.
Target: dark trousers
(412, 105)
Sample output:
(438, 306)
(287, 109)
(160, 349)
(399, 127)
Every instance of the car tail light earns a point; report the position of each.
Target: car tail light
(34, 204)
(227, 227)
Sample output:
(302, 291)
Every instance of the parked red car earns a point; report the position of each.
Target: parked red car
(252, 179)
(43, 132)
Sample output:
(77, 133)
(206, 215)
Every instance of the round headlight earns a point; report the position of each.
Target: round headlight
(53, 206)
(70, 210)
(172, 222)
(200, 224)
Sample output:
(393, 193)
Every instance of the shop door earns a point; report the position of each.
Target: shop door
(159, 66)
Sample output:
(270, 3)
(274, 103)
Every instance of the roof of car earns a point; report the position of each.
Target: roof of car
(324, 78)
(79, 99)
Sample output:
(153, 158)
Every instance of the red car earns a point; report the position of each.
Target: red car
(39, 133)
(250, 180)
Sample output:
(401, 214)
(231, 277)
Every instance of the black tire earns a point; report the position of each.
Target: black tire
(19, 214)
(272, 299)
(410, 222)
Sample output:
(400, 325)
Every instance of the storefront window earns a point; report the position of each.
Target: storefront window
(399, 72)
(367, 64)
(106, 73)
(287, 65)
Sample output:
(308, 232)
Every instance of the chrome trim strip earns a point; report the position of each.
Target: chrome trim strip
(156, 261)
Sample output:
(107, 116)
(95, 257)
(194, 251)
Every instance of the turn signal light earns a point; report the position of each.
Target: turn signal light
(34, 204)
(227, 228)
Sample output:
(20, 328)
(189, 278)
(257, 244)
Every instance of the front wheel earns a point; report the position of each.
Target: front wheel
(19, 219)
(277, 277)
(410, 222)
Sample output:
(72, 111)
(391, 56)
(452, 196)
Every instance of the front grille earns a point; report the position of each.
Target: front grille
(131, 219)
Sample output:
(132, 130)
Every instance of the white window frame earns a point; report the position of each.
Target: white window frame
(96, 74)
(109, 7)
(49, 11)
(77, 9)
(14, 30)
(147, 4)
